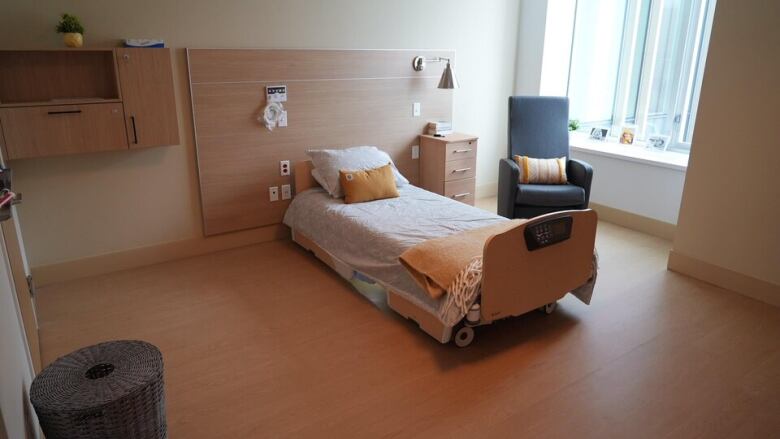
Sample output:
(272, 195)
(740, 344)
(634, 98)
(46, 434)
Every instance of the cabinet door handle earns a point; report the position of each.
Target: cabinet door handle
(135, 133)
(461, 170)
(65, 112)
(460, 150)
(464, 194)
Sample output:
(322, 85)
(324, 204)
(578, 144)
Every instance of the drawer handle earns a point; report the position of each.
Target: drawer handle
(460, 150)
(135, 133)
(65, 112)
(461, 170)
(464, 194)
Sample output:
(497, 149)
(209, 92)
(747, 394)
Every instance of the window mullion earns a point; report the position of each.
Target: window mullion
(698, 69)
(648, 67)
(627, 54)
(688, 71)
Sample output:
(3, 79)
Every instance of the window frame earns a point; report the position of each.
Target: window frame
(688, 79)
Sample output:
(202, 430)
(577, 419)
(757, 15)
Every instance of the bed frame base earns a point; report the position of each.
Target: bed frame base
(515, 280)
(427, 322)
(398, 303)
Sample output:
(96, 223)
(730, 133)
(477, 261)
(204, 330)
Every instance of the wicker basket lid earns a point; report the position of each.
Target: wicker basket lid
(96, 375)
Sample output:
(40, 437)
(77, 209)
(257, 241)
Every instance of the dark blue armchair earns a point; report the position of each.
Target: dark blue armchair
(539, 128)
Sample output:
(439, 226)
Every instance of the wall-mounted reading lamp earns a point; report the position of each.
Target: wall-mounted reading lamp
(448, 78)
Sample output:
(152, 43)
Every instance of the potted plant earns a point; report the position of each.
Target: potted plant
(574, 125)
(72, 29)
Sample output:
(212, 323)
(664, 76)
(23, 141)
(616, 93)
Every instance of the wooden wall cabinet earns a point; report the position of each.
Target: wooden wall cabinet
(55, 102)
(62, 129)
(146, 81)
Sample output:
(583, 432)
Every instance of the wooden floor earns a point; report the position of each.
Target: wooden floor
(265, 341)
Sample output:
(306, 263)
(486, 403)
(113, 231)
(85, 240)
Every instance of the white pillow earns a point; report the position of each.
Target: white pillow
(318, 178)
(328, 163)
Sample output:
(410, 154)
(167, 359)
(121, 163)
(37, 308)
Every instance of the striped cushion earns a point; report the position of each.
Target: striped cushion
(541, 171)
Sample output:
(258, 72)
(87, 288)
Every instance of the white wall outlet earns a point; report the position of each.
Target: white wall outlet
(284, 167)
(283, 119)
(415, 152)
(416, 109)
(273, 193)
(286, 192)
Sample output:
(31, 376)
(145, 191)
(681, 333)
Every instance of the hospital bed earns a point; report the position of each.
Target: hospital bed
(530, 266)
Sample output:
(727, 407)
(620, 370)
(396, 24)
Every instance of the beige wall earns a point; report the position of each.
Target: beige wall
(89, 205)
(530, 46)
(731, 202)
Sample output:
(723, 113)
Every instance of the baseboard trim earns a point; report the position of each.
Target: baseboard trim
(139, 257)
(636, 222)
(723, 277)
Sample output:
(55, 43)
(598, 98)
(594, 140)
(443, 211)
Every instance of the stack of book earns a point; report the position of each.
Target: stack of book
(439, 128)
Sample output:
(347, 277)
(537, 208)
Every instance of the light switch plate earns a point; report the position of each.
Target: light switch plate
(273, 193)
(416, 109)
(284, 167)
(286, 192)
(415, 152)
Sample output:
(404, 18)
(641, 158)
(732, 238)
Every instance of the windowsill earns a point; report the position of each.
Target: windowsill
(633, 153)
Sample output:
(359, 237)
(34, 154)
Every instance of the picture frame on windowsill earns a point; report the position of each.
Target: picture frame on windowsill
(599, 134)
(658, 142)
(627, 135)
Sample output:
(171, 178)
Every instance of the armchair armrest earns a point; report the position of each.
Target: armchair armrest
(508, 174)
(580, 173)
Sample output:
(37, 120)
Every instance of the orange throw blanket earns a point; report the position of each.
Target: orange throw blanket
(436, 263)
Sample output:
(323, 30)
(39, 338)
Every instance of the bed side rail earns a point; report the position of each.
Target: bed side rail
(537, 263)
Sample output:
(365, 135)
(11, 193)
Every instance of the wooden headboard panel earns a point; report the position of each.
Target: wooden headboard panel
(336, 98)
(302, 175)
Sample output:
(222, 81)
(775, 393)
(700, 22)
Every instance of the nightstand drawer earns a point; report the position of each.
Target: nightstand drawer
(460, 169)
(460, 190)
(461, 150)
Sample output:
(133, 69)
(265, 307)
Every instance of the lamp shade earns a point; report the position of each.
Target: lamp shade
(448, 79)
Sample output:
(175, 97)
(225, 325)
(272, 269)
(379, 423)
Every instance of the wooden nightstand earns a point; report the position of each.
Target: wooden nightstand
(448, 165)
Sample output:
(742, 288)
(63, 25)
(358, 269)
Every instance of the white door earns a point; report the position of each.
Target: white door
(17, 417)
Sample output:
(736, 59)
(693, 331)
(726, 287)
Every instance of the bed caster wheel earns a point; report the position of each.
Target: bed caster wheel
(464, 336)
(549, 308)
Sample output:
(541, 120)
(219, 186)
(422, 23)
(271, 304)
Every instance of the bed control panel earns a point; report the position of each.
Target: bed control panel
(547, 233)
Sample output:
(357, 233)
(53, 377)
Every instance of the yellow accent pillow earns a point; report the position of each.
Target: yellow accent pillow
(368, 185)
(541, 171)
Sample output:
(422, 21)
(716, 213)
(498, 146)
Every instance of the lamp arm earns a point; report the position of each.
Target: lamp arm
(418, 63)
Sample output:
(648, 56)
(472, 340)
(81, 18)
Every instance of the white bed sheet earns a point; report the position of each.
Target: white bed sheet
(369, 237)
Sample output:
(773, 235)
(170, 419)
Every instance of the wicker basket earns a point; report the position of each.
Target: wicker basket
(109, 390)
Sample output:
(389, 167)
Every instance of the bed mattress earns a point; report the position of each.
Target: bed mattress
(369, 237)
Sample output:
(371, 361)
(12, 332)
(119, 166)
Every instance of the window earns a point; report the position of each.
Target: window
(639, 62)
